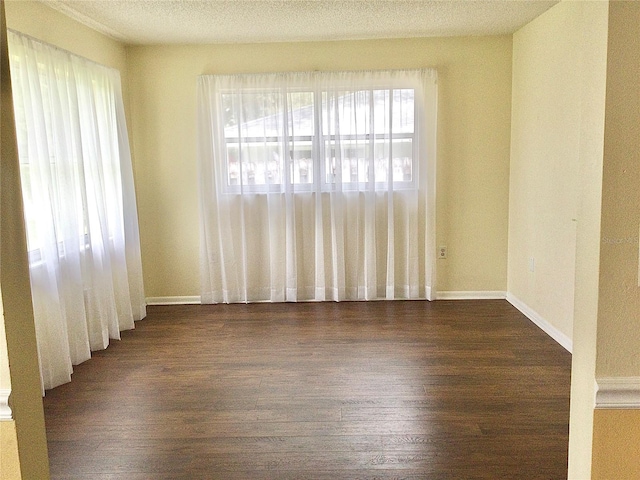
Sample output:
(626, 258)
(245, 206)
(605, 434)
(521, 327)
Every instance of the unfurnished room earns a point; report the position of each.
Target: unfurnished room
(320, 239)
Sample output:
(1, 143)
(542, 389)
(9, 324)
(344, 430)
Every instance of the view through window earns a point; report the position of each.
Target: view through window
(317, 140)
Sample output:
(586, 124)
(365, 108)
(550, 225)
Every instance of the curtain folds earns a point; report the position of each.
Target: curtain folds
(317, 186)
(80, 209)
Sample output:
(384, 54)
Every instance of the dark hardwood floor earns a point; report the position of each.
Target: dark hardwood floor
(377, 390)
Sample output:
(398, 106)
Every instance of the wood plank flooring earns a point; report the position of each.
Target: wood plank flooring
(362, 390)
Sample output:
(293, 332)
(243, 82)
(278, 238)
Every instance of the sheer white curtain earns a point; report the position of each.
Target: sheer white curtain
(80, 210)
(317, 186)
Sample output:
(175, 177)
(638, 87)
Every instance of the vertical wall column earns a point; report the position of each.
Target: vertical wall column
(616, 426)
(24, 445)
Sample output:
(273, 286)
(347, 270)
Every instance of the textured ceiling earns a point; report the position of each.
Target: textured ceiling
(249, 21)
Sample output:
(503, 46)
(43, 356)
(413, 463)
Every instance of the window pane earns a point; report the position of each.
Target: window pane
(253, 124)
(347, 126)
(265, 131)
(403, 160)
(301, 132)
(403, 111)
(403, 121)
(355, 154)
(382, 152)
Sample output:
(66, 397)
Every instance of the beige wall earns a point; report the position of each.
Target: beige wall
(559, 77)
(616, 433)
(5, 376)
(575, 154)
(545, 155)
(585, 321)
(9, 456)
(616, 445)
(473, 145)
(619, 306)
(23, 441)
(9, 459)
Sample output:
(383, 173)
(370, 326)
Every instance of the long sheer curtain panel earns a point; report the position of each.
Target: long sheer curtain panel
(80, 209)
(317, 186)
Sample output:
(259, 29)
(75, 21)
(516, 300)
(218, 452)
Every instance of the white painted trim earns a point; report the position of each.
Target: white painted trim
(618, 392)
(471, 295)
(5, 408)
(543, 324)
(185, 300)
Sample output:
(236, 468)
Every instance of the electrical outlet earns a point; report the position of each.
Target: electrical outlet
(442, 251)
(532, 264)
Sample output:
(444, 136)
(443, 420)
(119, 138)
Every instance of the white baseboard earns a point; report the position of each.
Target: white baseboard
(618, 392)
(471, 295)
(463, 295)
(543, 324)
(5, 408)
(185, 300)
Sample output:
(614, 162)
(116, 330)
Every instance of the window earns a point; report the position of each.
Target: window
(318, 138)
(62, 164)
(317, 186)
(79, 203)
